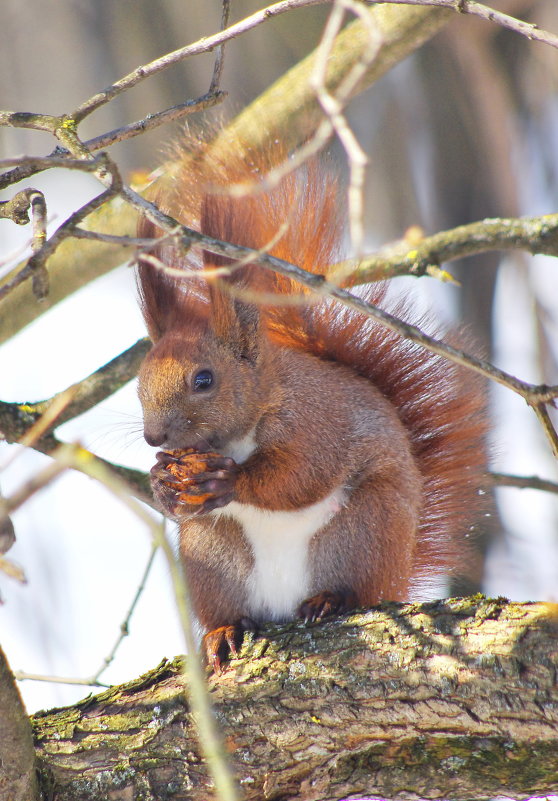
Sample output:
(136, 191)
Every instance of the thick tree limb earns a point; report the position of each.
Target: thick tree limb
(452, 699)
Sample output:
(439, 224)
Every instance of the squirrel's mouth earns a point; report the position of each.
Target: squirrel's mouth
(192, 441)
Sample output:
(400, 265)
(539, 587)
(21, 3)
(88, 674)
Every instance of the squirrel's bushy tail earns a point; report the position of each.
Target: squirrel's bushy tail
(442, 405)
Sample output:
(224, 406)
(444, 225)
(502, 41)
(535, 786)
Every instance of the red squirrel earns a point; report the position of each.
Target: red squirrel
(336, 464)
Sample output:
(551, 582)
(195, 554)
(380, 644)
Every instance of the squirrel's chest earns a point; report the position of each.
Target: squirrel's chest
(280, 578)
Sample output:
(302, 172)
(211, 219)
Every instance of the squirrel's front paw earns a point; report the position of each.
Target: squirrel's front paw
(186, 482)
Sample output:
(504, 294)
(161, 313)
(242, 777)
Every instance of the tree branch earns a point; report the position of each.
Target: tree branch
(527, 29)
(451, 699)
(536, 235)
(524, 482)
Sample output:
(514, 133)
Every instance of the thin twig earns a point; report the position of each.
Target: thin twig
(41, 479)
(28, 119)
(26, 166)
(112, 239)
(125, 625)
(155, 120)
(94, 679)
(100, 384)
(524, 482)
(41, 420)
(22, 675)
(544, 419)
(17, 208)
(220, 50)
(9, 568)
(32, 424)
(333, 105)
(210, 42)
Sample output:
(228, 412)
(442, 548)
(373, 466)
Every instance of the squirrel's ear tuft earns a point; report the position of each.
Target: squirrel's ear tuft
(236, 320)
(249, 333)
(236, 323)
(156, 289)
(167, 302)
(156, 292)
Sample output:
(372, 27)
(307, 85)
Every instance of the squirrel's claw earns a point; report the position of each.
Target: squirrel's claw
(193, 483)
(326, 603)
(225, 641)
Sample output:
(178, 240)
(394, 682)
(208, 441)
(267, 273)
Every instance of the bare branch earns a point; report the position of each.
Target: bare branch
(220, 51)
(23, 675)
(125, 625)
(27, 119)
(333, 105)
(17, 209)
(45, 476)
(112, 239)
(537, 235)
(94, 679)
(102, 383)
(33, 423)
(544, 419)
(26, 166)
(155, 120)
(9, 568)
(524, 482)
(527, 29)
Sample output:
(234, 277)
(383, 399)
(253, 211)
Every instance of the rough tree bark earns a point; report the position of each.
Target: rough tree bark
(18, 781)
(455, 699)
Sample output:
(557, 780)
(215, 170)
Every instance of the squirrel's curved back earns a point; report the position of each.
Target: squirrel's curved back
(441, 405)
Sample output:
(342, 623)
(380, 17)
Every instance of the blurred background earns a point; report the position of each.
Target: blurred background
(466, 128)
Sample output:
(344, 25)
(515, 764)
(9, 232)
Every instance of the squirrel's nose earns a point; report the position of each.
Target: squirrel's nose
(153, 437)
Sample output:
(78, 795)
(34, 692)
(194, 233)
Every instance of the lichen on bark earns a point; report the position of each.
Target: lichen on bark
(455, 699)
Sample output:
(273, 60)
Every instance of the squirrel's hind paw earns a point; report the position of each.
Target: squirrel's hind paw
(222, 643)
(326, 603)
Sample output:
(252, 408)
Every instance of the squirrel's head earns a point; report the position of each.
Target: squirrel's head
(202, 386)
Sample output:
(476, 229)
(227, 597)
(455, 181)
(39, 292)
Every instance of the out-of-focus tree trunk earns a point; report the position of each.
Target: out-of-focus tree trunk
(18, 780)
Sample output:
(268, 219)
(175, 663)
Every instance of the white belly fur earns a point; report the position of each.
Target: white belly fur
(280, 578)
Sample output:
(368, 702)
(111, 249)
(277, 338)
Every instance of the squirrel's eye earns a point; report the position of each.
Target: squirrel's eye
(203, 380)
